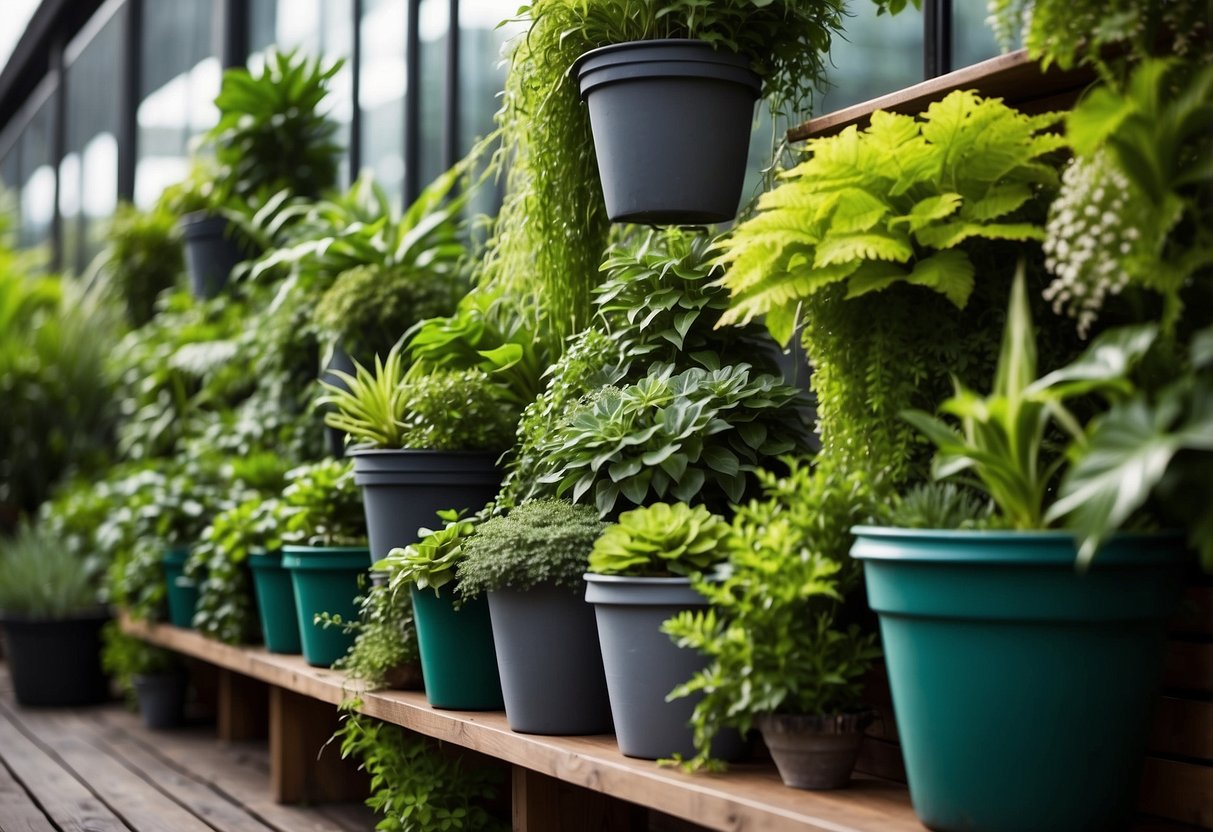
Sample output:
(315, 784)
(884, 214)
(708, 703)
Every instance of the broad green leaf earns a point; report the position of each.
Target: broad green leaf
(948, 272)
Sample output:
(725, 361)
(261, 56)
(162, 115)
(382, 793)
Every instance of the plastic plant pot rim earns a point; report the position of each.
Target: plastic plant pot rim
(390, 466)
(641, 591)
(662, 58)
(326, 558)
(175, 555)
(1029, 548)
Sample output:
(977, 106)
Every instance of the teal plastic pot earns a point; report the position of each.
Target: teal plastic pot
(1022, 689)
(182, 593)
(458, 660)
(276, 603)
(324, 579)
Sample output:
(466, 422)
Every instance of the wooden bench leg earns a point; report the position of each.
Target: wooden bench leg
(242, 707)
(545, 804)
(304, 766)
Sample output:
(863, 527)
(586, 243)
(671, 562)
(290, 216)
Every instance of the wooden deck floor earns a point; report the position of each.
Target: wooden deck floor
(98, 769)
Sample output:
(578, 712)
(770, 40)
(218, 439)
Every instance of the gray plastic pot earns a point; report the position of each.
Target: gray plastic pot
(211, 252)
(552, 680)
(161, 698)
(643, 665)
(403, 490)
(671, 122)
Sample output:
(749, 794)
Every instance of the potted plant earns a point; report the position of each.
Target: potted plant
(454, 636)
(152, 678)
(51, 620)
(385, 652)
(1060, 661)
(639, 576)
(779, 656)
(424, 443)
(324, 550)
(530, 564)
(271, 135)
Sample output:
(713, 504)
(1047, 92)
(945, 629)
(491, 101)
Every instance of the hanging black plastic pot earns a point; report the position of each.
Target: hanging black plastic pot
(671, 122)
(161, 698)
(211, 252)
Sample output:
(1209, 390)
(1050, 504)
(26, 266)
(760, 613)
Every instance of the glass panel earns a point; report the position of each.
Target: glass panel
(317, 27)
(181, 73)
(33, 182)
(382, 81)
(972, 38)
(88, 187)
(434, 24)
(876, 55)
(481, 79)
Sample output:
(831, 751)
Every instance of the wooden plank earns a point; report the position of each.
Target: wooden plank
(18, 812)
(1182, 728)
(1177, 791)
(536, 799)
(239, 771)
(141, 805)
(1188, 666)
(70, 805)
(1012, 77)
(242, 707)
(304, 766)
(544, 804)
(212, 807)
(750, 794)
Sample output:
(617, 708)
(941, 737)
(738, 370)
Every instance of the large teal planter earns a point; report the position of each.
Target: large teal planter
(324, 579)
(458, 660)
(181, 593)
(276, 603)
(1022, 689)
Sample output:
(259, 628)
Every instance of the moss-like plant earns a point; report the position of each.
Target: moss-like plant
(545, 541)
(385, 638)
(415, 786)
(660, 540)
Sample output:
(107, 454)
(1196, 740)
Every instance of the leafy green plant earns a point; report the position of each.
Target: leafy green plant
(660, 540)
(40, 577)
(893, 203)
(321, 506)
(545, 541)
(271, 133)
(385, 638)
(696, 435)
(1133, 215)
(429, 563)
(442, 410)
(226, 609)
(773, 634)
(368, 308)
(413, 785)
(124, 657)
(1103, 34)
(142, 258)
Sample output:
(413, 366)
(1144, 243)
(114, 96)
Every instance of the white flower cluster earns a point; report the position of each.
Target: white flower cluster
(1091, 238)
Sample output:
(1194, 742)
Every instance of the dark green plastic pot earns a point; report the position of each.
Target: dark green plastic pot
(276, 603)
(1022, 689)
(324, 579)
(182, 593)
(458, 660)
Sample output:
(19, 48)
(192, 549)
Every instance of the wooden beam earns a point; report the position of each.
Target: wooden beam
(242, 708)
(304, 766)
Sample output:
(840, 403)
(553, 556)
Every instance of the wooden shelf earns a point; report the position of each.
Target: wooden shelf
(749, 796)
(1011, 77)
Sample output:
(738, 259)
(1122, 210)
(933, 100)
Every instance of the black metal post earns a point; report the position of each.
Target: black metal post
(354, 152)
(58, 145)
(937, 37)
(452, 150)
(412, 103)
(233, 32)
(128, 99)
